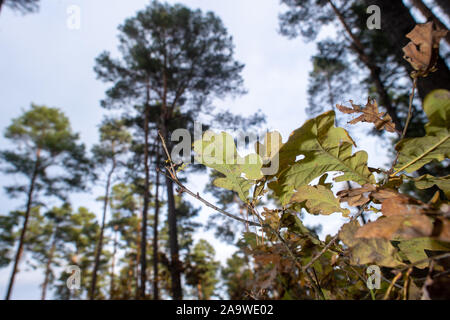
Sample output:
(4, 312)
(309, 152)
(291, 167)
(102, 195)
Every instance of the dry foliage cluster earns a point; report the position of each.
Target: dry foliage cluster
(410, 240)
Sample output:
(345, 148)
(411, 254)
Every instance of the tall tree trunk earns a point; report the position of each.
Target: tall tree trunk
(445, 6)
(113, 263)
(357, 46)
(1, 5)
(396, 22)
(48, 268)
(138, 256)
(24, 226)
(102, 231)
(199, 290)
(175, 265)
(428, 14)
(155, 232)
(146, 196)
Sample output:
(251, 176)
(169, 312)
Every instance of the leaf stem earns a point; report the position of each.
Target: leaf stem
(421, 156)
(408, 119)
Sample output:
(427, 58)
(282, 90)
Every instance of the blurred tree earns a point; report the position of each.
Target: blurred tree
(444, 5)
(114, 144)
(396, 22)
(428, 14)
(23, 6)
(307, 17)
(49, 250)
(201, 270)
(237, 276)
(125, 206)
(81, 237)
(330, 78)
(47, 153)
(183, 57)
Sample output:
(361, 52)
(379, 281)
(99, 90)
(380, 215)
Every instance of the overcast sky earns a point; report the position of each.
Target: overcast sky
(44, 62)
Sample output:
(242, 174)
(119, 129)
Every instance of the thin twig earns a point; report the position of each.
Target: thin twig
(405, 129)
(388, 292)
(434, 258)
(332, 241)
(315, 285)
(173, 176)
(182, 189)
(408, 119)
(406, 285)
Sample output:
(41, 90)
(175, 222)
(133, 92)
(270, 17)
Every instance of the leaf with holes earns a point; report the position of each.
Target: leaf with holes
(218, 151)
(370, 114)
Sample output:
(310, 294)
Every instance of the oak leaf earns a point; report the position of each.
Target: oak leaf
(370, 114)
(318, 200)
(368, 251)
(218, 151)
(324, 148)
(356, 197)
(435, 145)
(423, 49)
(404, 218)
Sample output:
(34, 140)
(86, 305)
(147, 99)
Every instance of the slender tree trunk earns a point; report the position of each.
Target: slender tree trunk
(175, 265)
(24, 226)
(428, 14)
(396, 22)
(199, 290)
(48, 268)
(155, 233)
(113, 263)
(146, 196)
(102, 231)
(138, 256)
(445, 6)
(1, 5)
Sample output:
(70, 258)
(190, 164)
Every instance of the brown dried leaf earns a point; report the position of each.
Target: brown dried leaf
(398, 226)
(404, 218)
(423, 50)
(402, 205)
(355, 197)
(371, 114)
(443, 229)
(366, 251)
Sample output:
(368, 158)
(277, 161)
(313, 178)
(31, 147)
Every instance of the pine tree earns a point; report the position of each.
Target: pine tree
(80, 239)
(201, 270)
(44, 142)
(237, 276)
(125, 207)
(23, 6)
(179, 58)
(114, 144)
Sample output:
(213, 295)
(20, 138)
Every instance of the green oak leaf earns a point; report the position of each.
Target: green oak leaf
(427, 181)
(414, 153)
(325, 148)
(218, 151)
(318, 200)
(414, 249)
